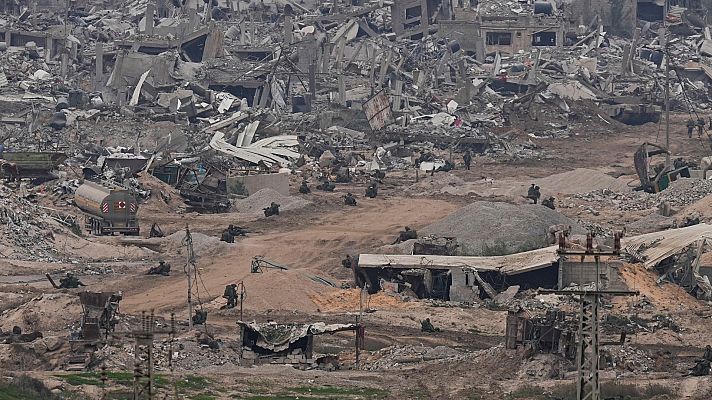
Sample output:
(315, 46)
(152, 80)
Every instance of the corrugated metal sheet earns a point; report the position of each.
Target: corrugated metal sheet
(658, 246)
(378, 110)
(509, 265)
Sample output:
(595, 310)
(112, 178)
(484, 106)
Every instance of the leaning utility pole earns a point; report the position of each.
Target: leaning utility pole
(588, 351)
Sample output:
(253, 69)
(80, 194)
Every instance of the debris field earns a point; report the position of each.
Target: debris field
(358, 199)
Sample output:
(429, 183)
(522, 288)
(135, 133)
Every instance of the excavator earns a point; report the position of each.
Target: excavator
(656, 178)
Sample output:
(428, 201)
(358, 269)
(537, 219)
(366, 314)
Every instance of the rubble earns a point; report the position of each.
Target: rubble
(205, 114)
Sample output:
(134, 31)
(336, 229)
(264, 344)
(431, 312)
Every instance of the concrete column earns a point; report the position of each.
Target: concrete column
(49, 46)
(99, 73)
(150, 10)
(342, 90)
(288, 28)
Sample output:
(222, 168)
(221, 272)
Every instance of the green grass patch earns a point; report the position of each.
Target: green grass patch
(193, 382)
(25, 388)
(122, 378)
(83, 378)
(270, 397)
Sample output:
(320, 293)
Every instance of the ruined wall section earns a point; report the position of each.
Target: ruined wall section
(618, 16)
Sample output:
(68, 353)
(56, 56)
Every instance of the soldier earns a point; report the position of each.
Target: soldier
(347, 262)
(467, 158)
(349, 200)
(273, 209)
(372, 190)
(533, 193)
(427, 326)
(690, 127)
(70, 282)
(231, 295)
(236, 230)
(326, 186)
(407, 234)
(200, 317)
(550, 203)
(163, 268)
(227, 236)
(304, 189)
(700, 126)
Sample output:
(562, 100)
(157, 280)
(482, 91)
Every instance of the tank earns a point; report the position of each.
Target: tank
(108, 209)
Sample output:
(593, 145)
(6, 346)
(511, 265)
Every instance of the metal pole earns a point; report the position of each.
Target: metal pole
(667, 101)
(190, 281)
(242, 297)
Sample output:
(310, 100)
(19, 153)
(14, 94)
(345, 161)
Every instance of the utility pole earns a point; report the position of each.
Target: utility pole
(667, 100)
(143, 360)
(588, 351)
(143, 384)
(243, 294)
(189, 266)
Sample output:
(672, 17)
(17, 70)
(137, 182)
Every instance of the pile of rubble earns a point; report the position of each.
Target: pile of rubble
(399, 356)
(27, 229)
(679, 194)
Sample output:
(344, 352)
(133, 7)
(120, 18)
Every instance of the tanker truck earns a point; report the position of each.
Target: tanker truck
(107, 208)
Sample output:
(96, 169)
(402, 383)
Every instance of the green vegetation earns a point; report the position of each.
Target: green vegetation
(94, 378)
(192, 382)
(25, 388)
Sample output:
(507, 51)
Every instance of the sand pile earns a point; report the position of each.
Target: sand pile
(202, 244)
(488, 228)
(581, 180)
(263, 198)
(439, 183)
(164, 197)
(53, 312)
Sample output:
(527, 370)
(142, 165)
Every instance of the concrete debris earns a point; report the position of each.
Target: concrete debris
(479, 125)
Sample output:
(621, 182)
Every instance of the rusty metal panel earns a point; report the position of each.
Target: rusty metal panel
(378, 111)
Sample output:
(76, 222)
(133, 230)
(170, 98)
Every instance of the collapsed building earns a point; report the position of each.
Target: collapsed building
(290, 344)
(470, 279)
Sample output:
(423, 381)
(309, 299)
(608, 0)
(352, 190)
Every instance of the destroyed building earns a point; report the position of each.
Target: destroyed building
(521, 137)
(287, 343)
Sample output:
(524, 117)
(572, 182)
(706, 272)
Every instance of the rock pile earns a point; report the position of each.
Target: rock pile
(481, 229)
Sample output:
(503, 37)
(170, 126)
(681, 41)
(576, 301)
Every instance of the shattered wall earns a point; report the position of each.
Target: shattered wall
(583, 273)
(617, 16)
(463, 288)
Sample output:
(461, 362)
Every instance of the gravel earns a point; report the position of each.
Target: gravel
(264, 197)
(490, 228)
(679, 194)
